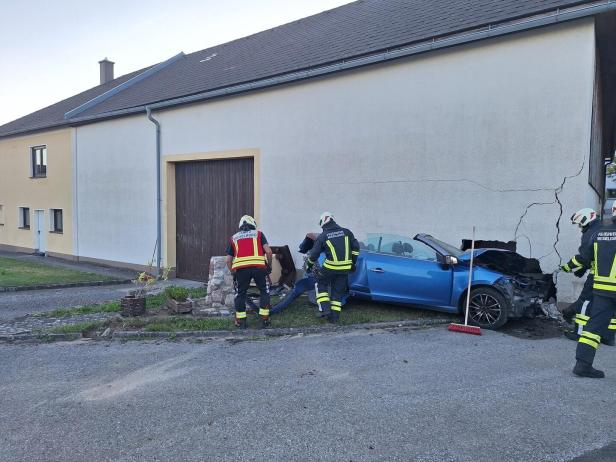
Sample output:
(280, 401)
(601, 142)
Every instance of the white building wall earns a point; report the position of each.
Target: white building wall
(116, 190)
(436, 143)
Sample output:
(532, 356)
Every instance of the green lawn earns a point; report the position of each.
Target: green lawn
(299, 314)
(14, 273)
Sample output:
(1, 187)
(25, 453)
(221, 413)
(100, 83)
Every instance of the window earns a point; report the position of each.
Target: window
(611, 193)
(398, 245)
(1, 215)
(24, 217)
(56, 220)
(39, 161)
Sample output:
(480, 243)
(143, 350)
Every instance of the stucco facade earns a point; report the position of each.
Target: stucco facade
(435, 143)
(18, 188)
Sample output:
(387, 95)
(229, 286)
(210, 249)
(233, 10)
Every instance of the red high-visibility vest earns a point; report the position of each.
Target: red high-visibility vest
(248, 250)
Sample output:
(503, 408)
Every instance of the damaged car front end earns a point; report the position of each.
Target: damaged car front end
(525, 287)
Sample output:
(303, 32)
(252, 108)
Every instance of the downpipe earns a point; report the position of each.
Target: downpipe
(148, 111)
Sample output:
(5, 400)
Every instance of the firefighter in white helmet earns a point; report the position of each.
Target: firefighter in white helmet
(580, 311)
(249, 258)
(341, 251)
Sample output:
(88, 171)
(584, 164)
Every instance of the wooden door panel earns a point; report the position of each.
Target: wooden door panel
(211, 196)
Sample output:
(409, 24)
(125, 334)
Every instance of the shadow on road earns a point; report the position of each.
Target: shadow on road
(539, 328)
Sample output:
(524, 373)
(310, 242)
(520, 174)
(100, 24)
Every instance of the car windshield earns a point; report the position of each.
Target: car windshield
(453, 251)
(400, 246)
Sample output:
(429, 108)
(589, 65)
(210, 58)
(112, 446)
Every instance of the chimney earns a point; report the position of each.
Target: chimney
(106, 70)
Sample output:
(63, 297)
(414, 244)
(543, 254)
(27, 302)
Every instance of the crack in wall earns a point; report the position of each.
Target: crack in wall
(557, 191)
(448, 180)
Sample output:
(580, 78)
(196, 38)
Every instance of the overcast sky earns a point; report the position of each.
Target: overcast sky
(49, 49)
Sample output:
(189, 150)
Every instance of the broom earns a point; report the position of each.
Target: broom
(465, 328)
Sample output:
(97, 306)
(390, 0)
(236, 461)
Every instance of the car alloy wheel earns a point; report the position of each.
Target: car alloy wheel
(484, 309)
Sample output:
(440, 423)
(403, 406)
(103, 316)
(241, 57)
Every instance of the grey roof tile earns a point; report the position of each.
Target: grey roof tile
(355, 29)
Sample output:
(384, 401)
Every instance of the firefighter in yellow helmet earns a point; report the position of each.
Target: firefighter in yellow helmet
(249, 257)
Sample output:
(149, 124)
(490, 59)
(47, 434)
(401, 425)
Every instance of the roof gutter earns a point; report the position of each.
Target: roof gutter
(158, 193)
(490, 31)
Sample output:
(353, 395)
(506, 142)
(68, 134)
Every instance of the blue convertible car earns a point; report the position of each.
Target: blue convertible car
(428, 273)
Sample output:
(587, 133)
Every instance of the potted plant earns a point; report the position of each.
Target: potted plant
(178, 301)
(133, 304)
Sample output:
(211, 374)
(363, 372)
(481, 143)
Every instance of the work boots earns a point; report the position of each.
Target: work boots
(324, 314)
(265, 322)
(240, 323)
(583, 369)
(334, 317)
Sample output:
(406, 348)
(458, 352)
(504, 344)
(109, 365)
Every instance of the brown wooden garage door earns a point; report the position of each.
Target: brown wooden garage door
(211, 197)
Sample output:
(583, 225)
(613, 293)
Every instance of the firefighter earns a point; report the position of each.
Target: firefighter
(341, 251)
(249, 258)
(579, 311)
(600, 252)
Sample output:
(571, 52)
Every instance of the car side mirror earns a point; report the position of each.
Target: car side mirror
(451, 260)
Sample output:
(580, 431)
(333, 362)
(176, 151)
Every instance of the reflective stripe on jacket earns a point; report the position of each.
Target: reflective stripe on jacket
(601, 252)
(248, 250)
(340, 247)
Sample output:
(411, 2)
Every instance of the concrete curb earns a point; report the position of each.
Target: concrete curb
(41, 337)
(249, 334)
(65, 286)
(265, 333)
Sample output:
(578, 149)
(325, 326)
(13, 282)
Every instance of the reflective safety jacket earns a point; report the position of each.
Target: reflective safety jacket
(588, 234)
(601, 251)
(339, 245)
(248, 250)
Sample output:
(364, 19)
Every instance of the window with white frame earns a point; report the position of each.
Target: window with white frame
(56, 221)
(39, 161)
(24, 217)
(1, 215)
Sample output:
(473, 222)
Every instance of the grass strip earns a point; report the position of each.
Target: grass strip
(18, 273)
(152, 303)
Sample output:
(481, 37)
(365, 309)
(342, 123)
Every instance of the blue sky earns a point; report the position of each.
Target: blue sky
(49, 50)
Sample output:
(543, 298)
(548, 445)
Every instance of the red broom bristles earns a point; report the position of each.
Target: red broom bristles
(474, 330)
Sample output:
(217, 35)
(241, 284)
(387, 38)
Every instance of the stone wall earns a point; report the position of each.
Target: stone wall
(220, 291)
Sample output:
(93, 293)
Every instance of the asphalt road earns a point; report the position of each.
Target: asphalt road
(426, 395)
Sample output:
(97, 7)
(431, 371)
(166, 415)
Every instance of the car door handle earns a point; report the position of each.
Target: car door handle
(377, 270)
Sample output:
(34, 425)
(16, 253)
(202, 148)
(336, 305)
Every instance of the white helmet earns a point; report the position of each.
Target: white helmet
(248, 220)
(326, 217)
(583, 217)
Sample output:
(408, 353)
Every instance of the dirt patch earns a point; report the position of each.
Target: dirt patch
(539, 328)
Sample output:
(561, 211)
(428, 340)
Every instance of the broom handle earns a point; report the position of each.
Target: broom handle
(470, 279)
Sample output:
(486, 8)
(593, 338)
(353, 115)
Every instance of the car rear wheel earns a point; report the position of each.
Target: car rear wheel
(488, 308)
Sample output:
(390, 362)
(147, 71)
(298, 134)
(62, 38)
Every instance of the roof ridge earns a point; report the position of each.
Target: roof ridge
(122, 86)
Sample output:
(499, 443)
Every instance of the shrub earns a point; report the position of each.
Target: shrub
(177, 293)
